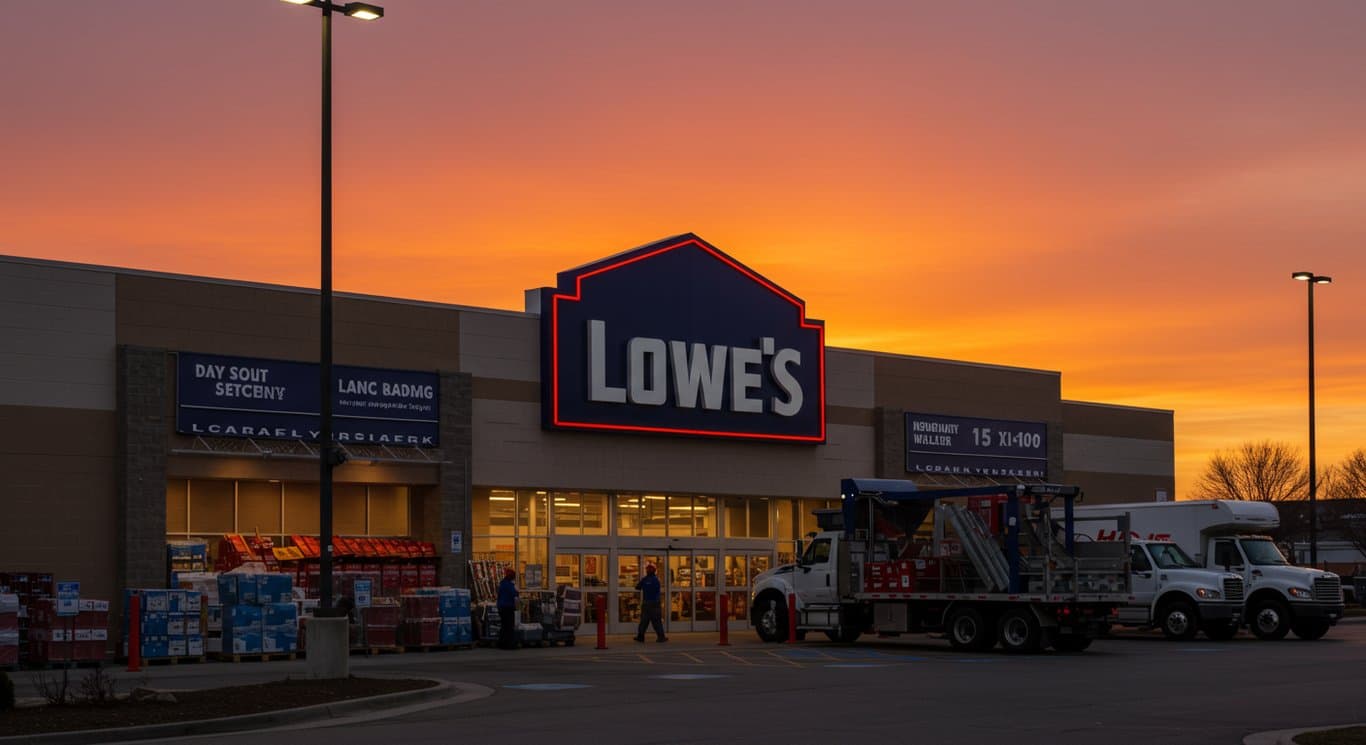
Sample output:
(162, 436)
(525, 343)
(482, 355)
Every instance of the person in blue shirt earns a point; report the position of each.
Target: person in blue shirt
(650, 609)
(507, 610)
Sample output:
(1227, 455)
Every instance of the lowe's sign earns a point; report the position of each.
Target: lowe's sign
(678, 338)
(220, 396)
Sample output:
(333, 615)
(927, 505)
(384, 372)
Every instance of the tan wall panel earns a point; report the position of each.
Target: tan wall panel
(58, 495)
(962, 389)
(849, 379)
(1112, 488)
(180, 314)
(511, 449)
(57, 336)
(1131, 455)
(1081, 417)
(501, 345)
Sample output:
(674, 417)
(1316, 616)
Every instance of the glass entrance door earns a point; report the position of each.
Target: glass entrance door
(587, 571)
(692, 588)
(738, 574)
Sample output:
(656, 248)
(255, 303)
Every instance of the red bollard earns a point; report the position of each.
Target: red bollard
(724, 603)
(134, 634)
(791, 619)
(600, 602)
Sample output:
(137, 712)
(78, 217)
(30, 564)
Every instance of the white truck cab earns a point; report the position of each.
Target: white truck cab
(1231, 536)
(1174, 593)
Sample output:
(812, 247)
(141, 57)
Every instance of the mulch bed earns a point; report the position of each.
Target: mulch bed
(195, 705)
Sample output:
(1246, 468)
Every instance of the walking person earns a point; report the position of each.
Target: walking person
(650, 607)
(507, 610)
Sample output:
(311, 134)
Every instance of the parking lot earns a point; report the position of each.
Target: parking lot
(1134, 688)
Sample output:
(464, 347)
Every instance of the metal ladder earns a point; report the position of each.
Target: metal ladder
(985, 556)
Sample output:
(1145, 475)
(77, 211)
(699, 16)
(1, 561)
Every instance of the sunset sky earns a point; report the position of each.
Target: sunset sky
(1116, 190)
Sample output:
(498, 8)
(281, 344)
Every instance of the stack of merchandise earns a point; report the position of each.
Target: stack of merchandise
(170, 622)
(211, 613)
(421, 620)
(184, 557)
(568, 607)
(454, 607)
(9, 630)
(30, 587)
(259, 615)
(379, 625)
(54, 638)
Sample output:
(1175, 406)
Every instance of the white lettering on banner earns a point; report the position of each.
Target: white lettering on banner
(248, 390)
(288, 433)
(649, 361)
(362, 387)
(237, 372)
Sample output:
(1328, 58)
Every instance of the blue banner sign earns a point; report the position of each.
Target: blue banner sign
(678, 338)
(219, 396)
(976, 447)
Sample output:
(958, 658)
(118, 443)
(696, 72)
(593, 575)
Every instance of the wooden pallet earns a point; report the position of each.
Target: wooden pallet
(187, 660)
(254, 656)
(436, 647)
(372, 651)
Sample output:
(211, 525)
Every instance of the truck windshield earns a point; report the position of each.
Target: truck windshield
(1170, 556)
(1262, 551)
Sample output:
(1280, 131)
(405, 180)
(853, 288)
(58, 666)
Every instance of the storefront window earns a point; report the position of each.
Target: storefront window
(213, 507)
(747, 518)
(502, 511)
(680, 571)
(629, 572)
(258, 507)
(594, 513)
(348, 509)
(704, 517)
(301, 509)
(567, 570)
(568, 507)
(680, 516)
(758, 517)
(533, 517)
(532, 551)
(178, 506)
(737, 522)
(628, 514)
(704, 570)
(654, 515)
(388, 510)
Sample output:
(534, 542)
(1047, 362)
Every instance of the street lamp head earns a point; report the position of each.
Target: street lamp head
(363, 11)
(1322, 280)
(1302, 276)
(300, 2)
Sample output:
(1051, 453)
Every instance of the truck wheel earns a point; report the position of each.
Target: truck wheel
(1270, 619)
(770, 618)
(1310, 629)
(1178, 620)
(1220, 631)
(1071, 642)
(1020, 632)
(970, 629)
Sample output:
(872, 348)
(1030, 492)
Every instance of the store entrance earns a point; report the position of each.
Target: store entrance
(688, 581)
(586, 570)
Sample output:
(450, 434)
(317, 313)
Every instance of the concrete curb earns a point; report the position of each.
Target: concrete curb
(264, 720)
(1287, 736)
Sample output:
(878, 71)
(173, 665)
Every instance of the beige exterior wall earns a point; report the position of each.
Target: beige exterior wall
(1119, 453)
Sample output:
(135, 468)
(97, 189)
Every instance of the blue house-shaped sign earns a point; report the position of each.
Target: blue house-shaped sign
(678, 338)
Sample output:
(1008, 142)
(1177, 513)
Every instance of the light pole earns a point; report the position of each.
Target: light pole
(1311, 279)
(327, 456)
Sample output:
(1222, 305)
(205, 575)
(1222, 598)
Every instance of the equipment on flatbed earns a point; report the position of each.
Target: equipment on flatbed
(993, 560)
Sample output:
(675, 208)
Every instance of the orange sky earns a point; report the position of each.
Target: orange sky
(1115, 190)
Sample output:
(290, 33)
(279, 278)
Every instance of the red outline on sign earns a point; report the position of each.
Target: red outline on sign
(578, 295)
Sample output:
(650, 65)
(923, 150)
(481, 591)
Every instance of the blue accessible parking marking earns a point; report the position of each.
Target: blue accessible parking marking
(547, 686)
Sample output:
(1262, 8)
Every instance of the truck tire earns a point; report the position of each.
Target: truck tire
(1020, 632)
(769, 616)
(1270, 619)
(1310, 629)
(1220, 631)
(1178, 620)
(970, 629)
(1071, 642)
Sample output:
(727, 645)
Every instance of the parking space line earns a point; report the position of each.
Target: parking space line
(645, 659)
(782, 659)
(694, 659)
(738, 659)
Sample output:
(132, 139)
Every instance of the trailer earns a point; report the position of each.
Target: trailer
(985, 565)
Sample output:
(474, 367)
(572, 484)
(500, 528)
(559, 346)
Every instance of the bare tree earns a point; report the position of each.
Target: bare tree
(1255, 471)
(1349, 478)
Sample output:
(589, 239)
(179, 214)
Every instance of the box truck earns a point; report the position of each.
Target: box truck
(1232, 536)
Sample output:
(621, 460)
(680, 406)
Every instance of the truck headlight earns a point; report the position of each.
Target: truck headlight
(1300, 592)
(1208, 594)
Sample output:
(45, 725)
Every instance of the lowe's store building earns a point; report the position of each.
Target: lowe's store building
(664, 405)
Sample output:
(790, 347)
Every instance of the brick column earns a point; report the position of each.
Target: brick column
(890, 434)
(143, 436)
(446, 508)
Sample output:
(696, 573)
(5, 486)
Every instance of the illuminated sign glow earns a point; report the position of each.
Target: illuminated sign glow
(678, 338)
